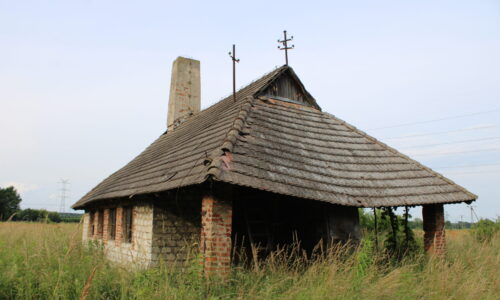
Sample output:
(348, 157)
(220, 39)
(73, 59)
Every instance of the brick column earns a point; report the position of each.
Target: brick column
(105, 226)
(96, 224)
(434, 233)
(216, 223)
(119, 231)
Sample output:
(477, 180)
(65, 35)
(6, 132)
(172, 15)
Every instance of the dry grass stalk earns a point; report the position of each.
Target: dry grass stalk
(88, 284)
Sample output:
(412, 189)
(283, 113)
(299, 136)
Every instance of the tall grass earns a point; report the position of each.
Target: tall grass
(47, 261)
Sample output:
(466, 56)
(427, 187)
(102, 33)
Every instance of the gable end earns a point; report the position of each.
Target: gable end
(287, 87)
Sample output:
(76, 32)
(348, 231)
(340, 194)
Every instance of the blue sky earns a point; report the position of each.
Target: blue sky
(84, 84)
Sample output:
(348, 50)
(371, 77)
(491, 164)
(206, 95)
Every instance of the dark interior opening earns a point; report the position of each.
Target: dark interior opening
(270, 221)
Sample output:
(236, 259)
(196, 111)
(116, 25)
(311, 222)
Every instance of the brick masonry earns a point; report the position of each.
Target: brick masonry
(216, 220)
(434, 231)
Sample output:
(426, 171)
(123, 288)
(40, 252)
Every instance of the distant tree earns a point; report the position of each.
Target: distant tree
(54, 217)
(30, 215)
(9, 202)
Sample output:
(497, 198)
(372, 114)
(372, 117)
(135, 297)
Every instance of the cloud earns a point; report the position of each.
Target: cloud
(20, 187)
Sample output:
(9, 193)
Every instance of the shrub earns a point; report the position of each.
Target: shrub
(485, 229)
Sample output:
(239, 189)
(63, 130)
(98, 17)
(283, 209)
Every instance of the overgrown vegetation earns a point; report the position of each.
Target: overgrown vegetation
(485, 229)
(47, 261)
(390, 233)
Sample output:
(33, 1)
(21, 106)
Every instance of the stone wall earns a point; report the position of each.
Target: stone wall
(85, 229)
(164, 228)
(176, 230)
(137, 252)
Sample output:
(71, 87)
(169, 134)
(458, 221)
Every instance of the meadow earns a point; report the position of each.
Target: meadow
(48, 261)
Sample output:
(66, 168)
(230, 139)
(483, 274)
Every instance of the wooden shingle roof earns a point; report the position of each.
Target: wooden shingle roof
(277, 146)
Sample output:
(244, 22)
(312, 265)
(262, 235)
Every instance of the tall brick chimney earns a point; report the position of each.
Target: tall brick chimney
(185, 91)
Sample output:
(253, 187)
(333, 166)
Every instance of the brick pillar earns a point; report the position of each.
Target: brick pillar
(105, 226)
(434, 233)
(119, 229)
(96, 224)
(216, 223)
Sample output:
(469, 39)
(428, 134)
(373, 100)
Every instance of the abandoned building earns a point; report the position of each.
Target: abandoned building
(266, 167)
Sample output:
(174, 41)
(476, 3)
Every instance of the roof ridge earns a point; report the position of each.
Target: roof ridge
(391, 149)
(221, 157)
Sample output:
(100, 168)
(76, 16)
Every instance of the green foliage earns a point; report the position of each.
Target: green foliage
(393, 234)
(9, 202)
(54, 217)
(485, 229)
(70, 217)
(37, 215)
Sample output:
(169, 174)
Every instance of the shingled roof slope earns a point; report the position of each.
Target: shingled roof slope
(284, 148)
(176, 158)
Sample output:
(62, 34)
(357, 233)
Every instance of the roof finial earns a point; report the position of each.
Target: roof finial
(235, 60)
(285, 46)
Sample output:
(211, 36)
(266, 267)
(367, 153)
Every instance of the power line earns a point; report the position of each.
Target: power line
(440, 132)
(478, 172)
(458, 152)
(468, 166)
(456, 142)
(437, 120)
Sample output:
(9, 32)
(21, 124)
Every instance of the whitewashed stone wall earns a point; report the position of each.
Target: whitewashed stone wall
(167, 231)
(85, 229)
(138, 251)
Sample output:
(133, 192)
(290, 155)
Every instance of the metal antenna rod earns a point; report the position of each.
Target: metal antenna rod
(285, 46)
(235, 60)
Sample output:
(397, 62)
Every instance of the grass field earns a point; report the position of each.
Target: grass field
(47, 261)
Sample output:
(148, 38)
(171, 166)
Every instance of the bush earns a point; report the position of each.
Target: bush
(485, 229)
(54, 217)
(37, 215)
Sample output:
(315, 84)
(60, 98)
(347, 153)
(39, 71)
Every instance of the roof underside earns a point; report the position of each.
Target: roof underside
(281, 147)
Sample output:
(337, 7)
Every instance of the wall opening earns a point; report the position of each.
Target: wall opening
(127, 224)
(112, 223)
(100, 223)
(91, 223)
(266, 222)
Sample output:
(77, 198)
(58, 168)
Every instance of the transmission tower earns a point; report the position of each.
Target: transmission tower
(64, 190)
(473, 214)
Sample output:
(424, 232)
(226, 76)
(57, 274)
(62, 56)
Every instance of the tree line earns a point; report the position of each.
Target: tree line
(10, 210)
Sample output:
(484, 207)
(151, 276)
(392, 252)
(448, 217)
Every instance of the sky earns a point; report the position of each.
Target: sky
(84, 85)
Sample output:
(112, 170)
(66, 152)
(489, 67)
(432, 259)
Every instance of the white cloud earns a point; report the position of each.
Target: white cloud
(20, 187)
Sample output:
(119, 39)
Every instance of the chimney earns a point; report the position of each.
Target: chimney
(184, 91)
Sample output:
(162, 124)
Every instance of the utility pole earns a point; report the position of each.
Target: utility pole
(285, 45)
(64, 190)
(235, 60)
